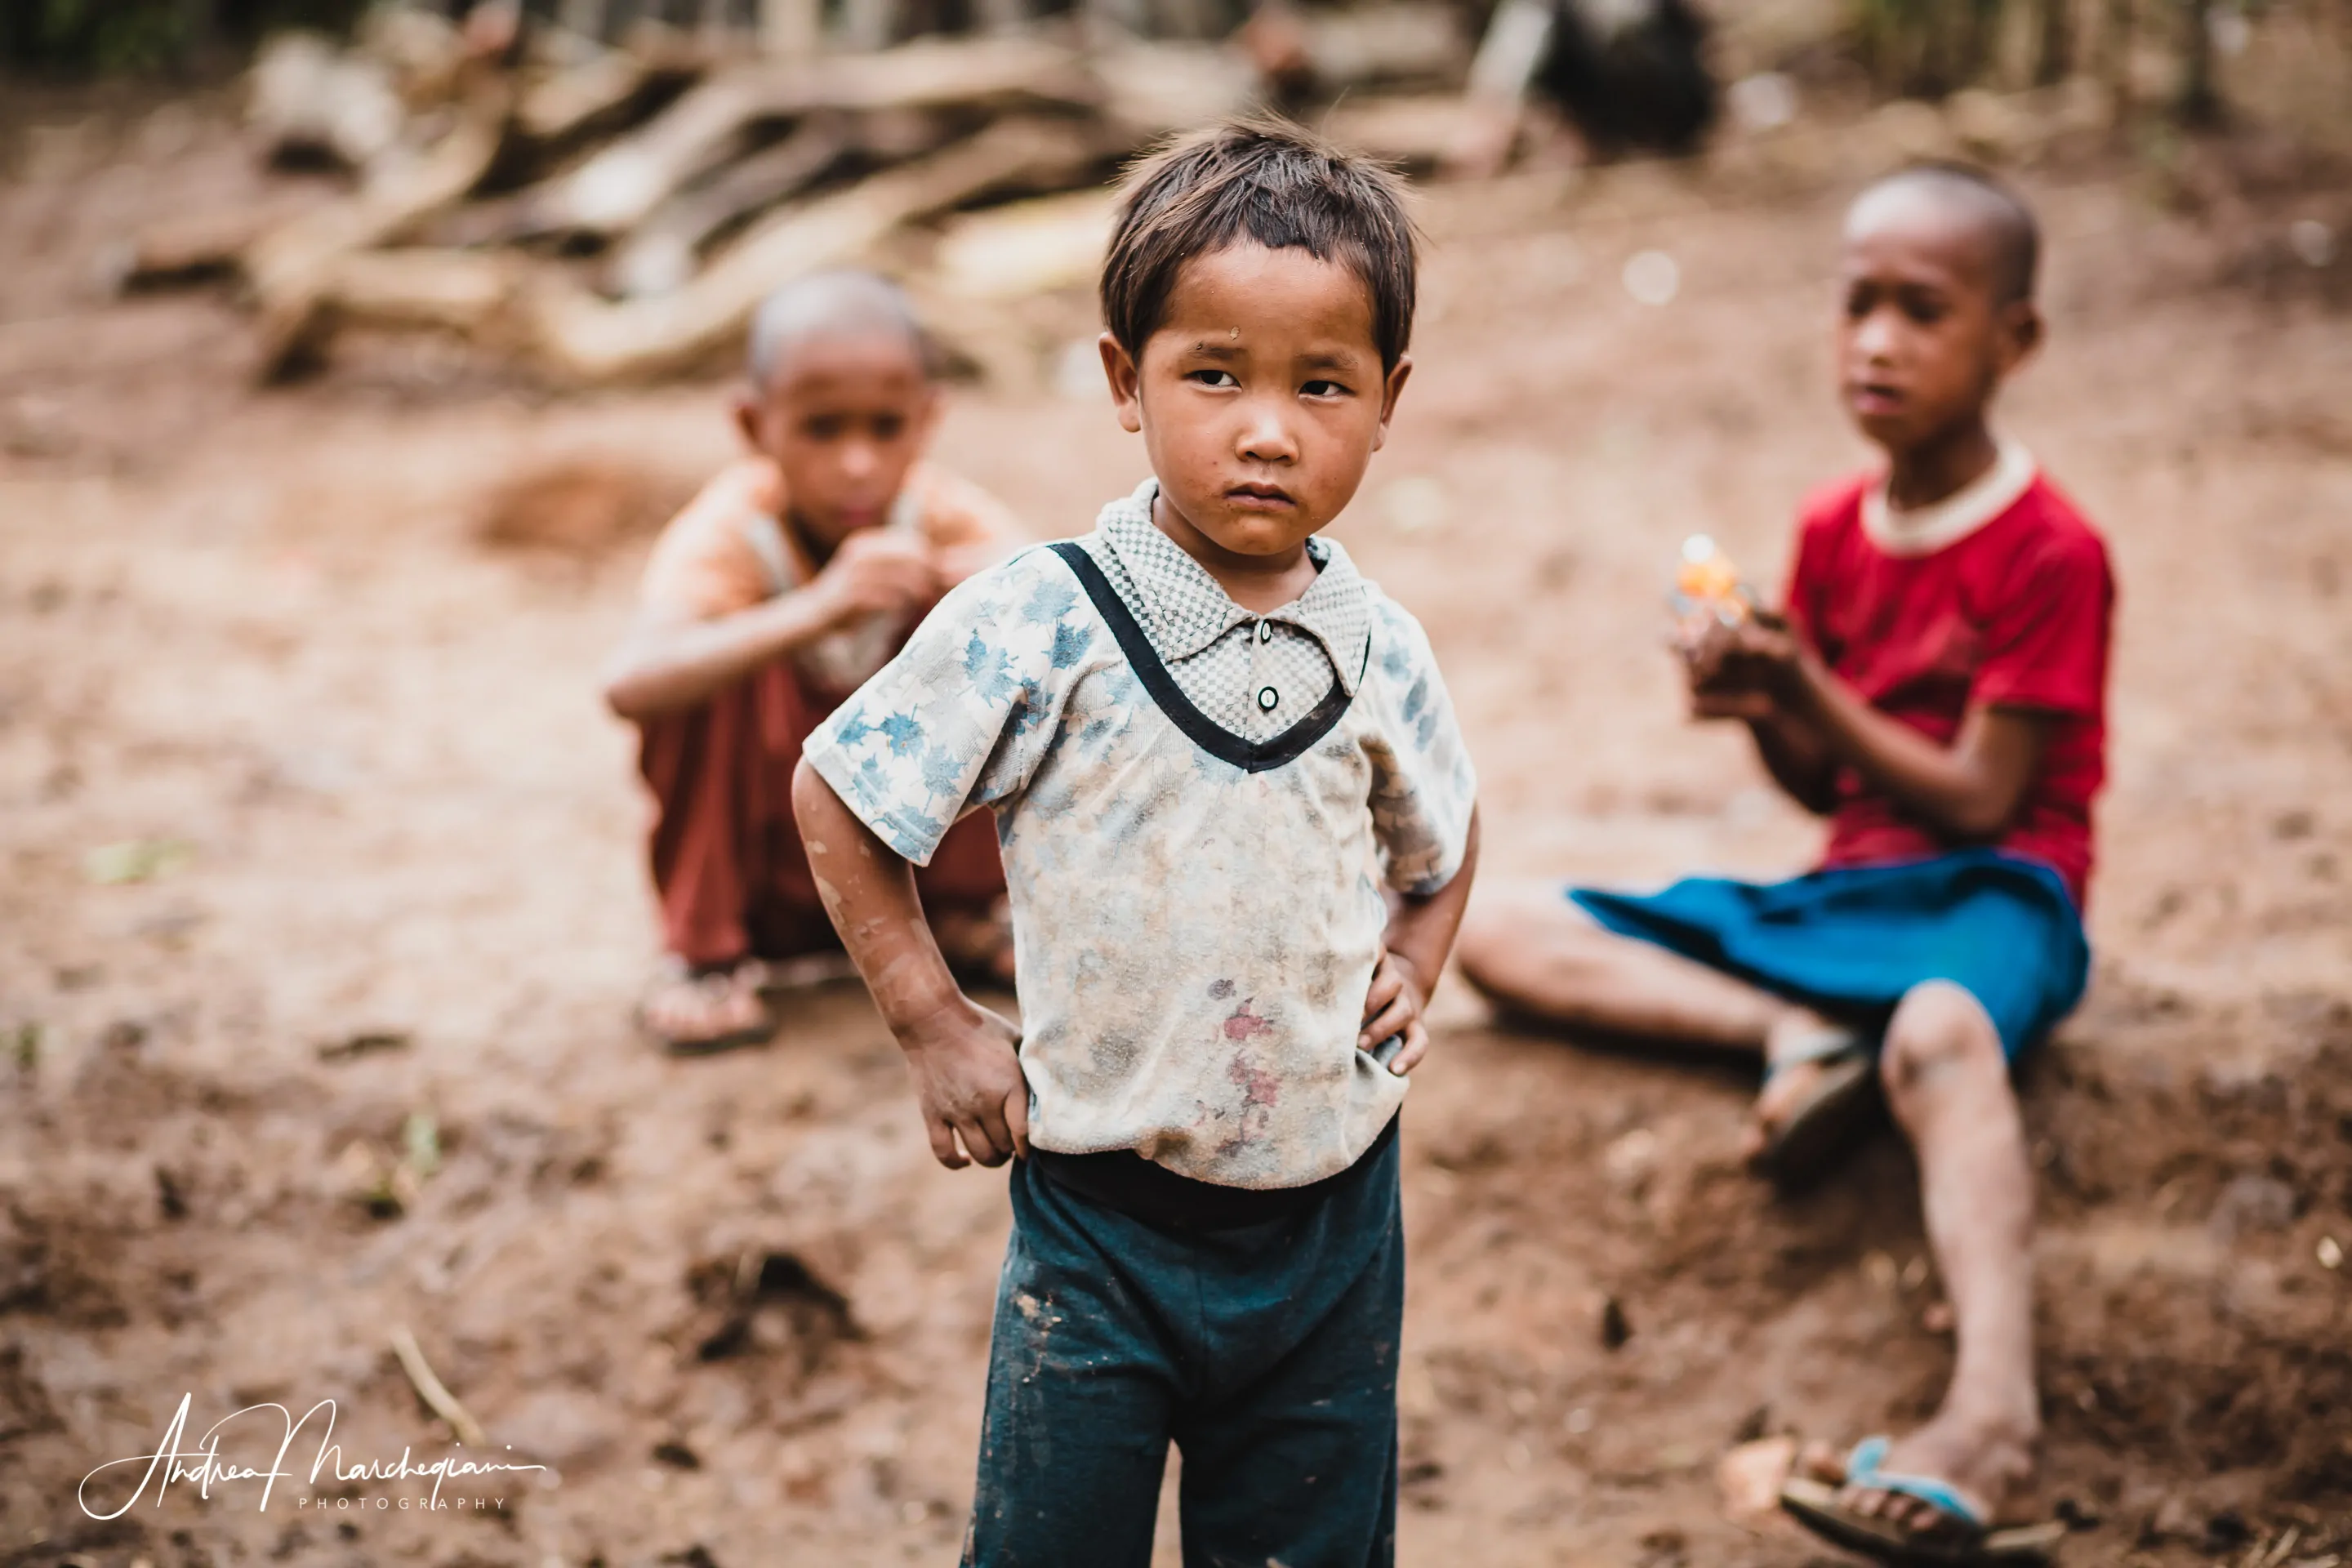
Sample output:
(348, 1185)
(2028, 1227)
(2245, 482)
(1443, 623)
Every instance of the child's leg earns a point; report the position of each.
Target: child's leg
(1081, 1388)
(695, 763)
(1533, 951)
(1948, 1085)
(1301, 1464)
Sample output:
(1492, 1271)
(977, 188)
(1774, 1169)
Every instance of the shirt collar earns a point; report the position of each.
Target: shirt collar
(1928, 529)
(1185, 609)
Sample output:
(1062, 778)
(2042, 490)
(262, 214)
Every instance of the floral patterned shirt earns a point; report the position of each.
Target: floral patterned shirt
(1196, 911)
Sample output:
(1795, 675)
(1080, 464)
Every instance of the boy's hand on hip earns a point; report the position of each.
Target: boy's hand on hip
(1393, 1007)
(966, 1065)
(875, 573)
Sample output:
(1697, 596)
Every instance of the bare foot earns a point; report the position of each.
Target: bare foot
(688, 1012)
(1788, 1084)
(1991, 1464)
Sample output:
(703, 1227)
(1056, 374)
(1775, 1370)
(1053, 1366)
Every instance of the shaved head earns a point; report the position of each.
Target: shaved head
(1993, 214)
(830, 305)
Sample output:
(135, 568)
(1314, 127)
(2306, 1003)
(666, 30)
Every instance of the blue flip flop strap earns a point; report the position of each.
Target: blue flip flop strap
(1862, 1471)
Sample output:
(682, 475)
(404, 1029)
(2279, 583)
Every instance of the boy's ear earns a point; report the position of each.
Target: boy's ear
(1119, 370)
(1392, 388)
(746, 408)
(2021, 334)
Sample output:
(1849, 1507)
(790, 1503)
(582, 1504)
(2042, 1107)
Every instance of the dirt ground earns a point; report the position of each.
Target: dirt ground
(385, 894)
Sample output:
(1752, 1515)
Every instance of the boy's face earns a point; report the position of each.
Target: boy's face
(1261, 398)
(1923, 338)
(844, 418)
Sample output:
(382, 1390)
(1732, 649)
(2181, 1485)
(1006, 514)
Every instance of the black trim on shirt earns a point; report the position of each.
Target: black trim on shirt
(1250, 756)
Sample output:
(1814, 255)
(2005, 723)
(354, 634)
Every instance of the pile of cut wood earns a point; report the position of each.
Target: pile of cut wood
(607, 212)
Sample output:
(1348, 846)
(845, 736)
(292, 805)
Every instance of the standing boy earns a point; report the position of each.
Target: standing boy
(1208, 743)
(795, 573)
(1939, 690)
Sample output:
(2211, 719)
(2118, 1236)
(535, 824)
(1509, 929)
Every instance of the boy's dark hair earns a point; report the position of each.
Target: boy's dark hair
(1266, 181)
(2010, 227)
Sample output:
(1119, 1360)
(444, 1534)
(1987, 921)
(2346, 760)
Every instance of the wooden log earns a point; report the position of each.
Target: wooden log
(572, 103)
(789, 29)
(310, 103)
(1418, 132)
(468, 293)
(289, 267)
(1152, 89)
(621, 185)
(583, 339)
(663, 251)
(1517, 36)
(1383, 44)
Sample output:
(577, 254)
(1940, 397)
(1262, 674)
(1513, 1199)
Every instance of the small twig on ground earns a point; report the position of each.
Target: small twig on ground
(434, 1392)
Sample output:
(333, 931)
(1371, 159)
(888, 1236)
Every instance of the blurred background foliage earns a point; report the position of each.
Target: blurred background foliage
(2172, 53)
(76, 37)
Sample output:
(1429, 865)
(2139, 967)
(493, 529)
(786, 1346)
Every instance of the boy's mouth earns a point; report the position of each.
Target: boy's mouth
(1874, 398)
(1259, 498)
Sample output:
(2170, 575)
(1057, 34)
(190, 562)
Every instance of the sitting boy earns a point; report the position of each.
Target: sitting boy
(1938, 690)
(792, 576)
(1208, 743)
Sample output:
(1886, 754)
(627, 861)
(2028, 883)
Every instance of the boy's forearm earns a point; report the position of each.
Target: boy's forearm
(665, 667)
(1958, 789)
(1421, 930)
(868, 892)
(1797, 758)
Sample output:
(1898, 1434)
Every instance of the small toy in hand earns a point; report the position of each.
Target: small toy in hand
(1707, 591)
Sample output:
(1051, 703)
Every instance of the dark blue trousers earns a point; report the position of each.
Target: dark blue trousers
(1266, 1352)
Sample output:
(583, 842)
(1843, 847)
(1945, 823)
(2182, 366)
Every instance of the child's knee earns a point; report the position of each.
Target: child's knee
(1504, 929)
(1938, 1032)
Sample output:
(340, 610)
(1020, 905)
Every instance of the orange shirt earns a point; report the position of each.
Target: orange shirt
(729, 549)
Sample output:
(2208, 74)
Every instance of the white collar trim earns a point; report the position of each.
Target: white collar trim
(1947, 521)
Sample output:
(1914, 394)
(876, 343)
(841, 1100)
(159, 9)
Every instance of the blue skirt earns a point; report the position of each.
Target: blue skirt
(1851, 942)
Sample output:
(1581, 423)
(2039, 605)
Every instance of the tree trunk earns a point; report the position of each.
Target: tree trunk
(2054, 55)
(2200, 100)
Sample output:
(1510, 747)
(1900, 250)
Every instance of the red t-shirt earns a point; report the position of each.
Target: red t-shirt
(2014, 615)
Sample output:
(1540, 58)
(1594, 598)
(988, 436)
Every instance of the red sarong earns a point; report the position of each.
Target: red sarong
(729, 868)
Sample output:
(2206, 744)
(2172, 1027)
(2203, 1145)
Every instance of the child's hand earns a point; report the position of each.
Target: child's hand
(967, 1073)
(1393, 1007)
(877, 573)
(1741, 671)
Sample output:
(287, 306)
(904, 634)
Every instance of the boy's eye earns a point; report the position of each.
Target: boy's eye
(1213, 378)
(887, 428)
(1926, 310)
(1324, 387)
(824, 427)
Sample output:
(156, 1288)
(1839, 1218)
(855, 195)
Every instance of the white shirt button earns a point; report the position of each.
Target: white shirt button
(1265, 633)
(1267, 697)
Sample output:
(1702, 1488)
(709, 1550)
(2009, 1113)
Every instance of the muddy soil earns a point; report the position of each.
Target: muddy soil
(332, 1037)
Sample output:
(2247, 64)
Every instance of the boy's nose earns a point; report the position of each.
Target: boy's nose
(1875, 337)
(1267, 439)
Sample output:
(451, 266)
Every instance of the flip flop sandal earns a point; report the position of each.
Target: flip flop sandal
(1959, 1537)
(1823, 1124)
(752, 1034)
(782, 976)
